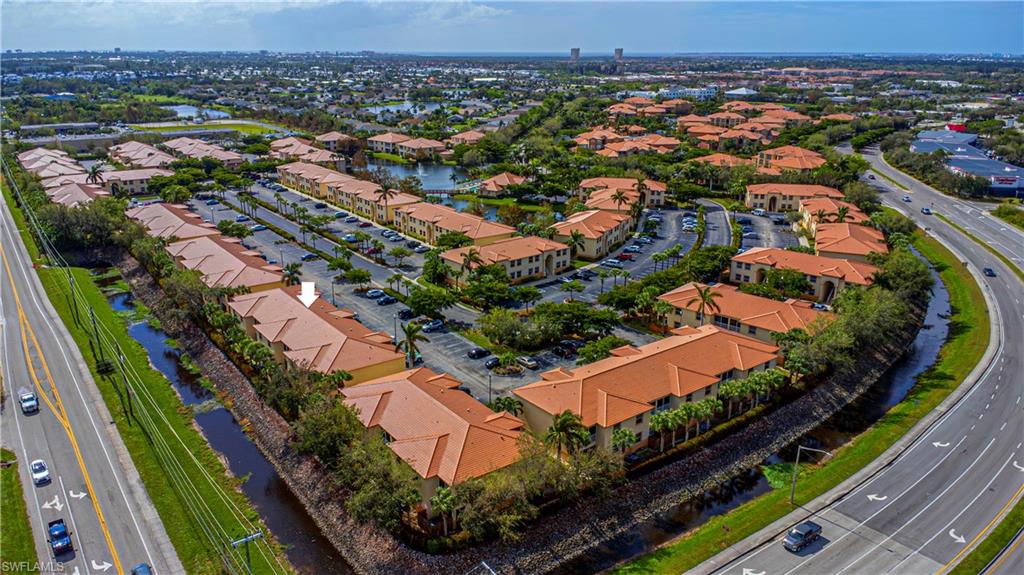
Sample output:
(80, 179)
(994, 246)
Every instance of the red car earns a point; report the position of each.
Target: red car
(365, 224)
(625, 257)
(372, 250)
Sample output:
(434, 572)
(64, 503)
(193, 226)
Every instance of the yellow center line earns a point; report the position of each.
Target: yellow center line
(983, 531)
(1006, 555)
(22, 318)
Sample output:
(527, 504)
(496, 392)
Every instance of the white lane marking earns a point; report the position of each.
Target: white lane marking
(74, 525)
(933, 501)
(886, 505)
(957, 538)
(940, 444)
(876, 497)
(981, 492)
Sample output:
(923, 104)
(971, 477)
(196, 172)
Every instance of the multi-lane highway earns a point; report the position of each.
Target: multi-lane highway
(94, 486)
(946, 490)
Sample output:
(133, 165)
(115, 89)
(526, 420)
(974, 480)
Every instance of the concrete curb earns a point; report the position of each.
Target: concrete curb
(917, 433)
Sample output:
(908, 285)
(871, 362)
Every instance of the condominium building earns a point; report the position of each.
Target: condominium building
(299, 149)
(792, 158)
(419, 148)
(386, 142)
(138, 155)
(167, 221)
(778, 197)
(824, 209)
(428, 222)
(226, 263)
(74, 195)
(733, 310)
(853, 242)
(827, 276)
(601, 230)
(338, 142)
(319, 338)
(624, 390)
(198, 149)
(361, 197)
(132, 182)
(47, 163)
(445, 435)
(651, 195)
(523, 258)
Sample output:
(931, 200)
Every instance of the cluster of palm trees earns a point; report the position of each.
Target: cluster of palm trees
(684, 416)
(603, 274)
(841, 214)
(755, 385)
(412, 335)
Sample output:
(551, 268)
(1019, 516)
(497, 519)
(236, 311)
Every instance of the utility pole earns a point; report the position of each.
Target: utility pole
(96, 333)
(127, 389)
(796, 468)
(245, 541)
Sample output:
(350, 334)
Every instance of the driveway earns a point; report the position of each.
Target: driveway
(766, 233)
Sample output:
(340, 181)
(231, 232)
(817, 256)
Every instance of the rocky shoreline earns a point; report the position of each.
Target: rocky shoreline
(555, 539)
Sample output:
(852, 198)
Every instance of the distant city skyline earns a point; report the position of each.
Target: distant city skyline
(462, 26)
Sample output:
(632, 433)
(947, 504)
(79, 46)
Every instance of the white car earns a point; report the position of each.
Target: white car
(40, 474)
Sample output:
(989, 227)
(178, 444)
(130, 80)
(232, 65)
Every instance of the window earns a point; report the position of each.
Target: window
(738, 276)
(751, 330)
(639, 420)
(662, 403)
(617, 427)
(386, 437)
(707, 391)
(728, 375)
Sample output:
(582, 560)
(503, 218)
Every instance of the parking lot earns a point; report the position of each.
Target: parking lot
(762, 231)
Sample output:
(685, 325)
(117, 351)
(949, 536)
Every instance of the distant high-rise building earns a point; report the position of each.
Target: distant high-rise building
(117, 50)
(574, 55)
(618, 54)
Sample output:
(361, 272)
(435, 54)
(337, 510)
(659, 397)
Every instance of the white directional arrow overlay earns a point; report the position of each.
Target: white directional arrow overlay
(940, 444)
(308, 294)
(1017, 465)
(875, 497)
(747, 571)
(957, 538)
(101, 566)
(75, 572)
(76, 495)
(55, 504)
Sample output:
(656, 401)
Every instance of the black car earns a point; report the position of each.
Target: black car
(478, 352)
(492, 362)
(563, 352)
(387, 300)
(989, 272)
(573, 344)
(319, 205)
(801, 536)
(406, 314)
(309, 257)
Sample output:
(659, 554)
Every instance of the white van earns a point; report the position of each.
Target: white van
(758, 212)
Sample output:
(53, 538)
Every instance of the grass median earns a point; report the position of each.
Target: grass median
(17, 550)
(964, 347)
(999, 255)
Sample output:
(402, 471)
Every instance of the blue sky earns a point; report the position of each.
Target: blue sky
(532, 26)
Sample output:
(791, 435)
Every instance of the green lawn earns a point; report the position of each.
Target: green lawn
(16, 545)
(389, 157)
(238, 127)
(968, 339)
(499, 202)
(998, 254)
(161, 99)
(999, 538)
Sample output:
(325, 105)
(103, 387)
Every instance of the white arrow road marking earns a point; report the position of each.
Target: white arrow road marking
(1017, 465)
(940, 444)
(875, 497)
(957, 538)
(75, 572)
(747, 571)
(101, 566)
(72, 493)
(308, 295)
(55, 504)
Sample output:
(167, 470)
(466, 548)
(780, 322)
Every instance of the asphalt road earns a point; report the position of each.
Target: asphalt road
(100, 480)
(717, 228)
(972, 216)
(930, 507)
(1011, 560)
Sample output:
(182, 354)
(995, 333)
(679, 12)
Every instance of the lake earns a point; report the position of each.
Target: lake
(433, 176)
(187, 111)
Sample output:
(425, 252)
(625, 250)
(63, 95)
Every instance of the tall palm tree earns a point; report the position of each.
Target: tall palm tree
(385, 194)
(619, 197)
(470, 260)
(659, 258)
(567, 431)
(413, 334)
(842, 213)
(444, 503)
(602, 274)
(507, 403)
(575, 242)
(661, 422)
(292, 274)
(95, 174)
(705, 301)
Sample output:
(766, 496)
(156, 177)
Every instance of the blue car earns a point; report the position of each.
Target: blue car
(212, 202)
(340, 214)
(240, 218)
(351, 219)
(308, 257)
(350, 238)
(257, 228)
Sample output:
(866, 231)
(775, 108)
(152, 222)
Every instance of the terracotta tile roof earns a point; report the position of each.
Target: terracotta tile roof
(627, 384)
(169, 220)
(321, 337)
(455, 221)
(435, 428)
(505, 250)
(840, 117)
(702, 129)
(737, 105)
(139, 155)
(812, 265)
(763, 313)
(420, 144)
(592, 223)
(199, 149)
(847, 238)
(134, 175)
(638, 101)
(796, 190)
(224, 262)
(798, 163)
(56, 181)
(602, 199)
(335, 137)
(722, 160)
(726, 116)
(72, 195)
(786, 114)
(47, 163)
(389, 138)
(499, 182)
(620, 184)
(831, 206)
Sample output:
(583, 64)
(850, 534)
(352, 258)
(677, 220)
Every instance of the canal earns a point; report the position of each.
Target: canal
(890, 389)
(306, 548)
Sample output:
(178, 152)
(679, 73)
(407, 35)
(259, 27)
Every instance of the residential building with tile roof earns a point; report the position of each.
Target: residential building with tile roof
(811, 208)
(780, 197)
(132, 182)
(139, 155)
(602, 231)
(74, 195)
(226, 263)
(428, 222)
(523, 258)
(495, 185)
(198, 149)
(827, 276)
(624, 390)
(166, 221)
(853, 242)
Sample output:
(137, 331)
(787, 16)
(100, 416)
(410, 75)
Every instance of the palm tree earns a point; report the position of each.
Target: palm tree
(602, 274)
(572, 287)
(292, 274)
(175, 194)
(662, 308)
(444, 503)
(841, 214)
(394, 279)
(619, 197)
(660, 422)
(507, 403)
(575, 241)
(820, 215)
(385, 194)
(413, 334)
(623, 439)
(470, 260)
(567, 431)
(278, 199)
(95, 174)
(705, 301)
(659, 258)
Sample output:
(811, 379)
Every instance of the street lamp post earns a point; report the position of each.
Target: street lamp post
(488, 388)
(796, 468)
(395, 317)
